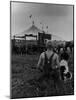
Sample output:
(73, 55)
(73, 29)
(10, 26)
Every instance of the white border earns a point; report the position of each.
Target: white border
(5, 47)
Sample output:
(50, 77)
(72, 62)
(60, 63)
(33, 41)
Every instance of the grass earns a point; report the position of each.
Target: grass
(23, 83)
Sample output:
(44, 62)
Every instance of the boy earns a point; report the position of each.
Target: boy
(49, 63)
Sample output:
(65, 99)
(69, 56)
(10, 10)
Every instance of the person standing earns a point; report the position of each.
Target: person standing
(49, 64)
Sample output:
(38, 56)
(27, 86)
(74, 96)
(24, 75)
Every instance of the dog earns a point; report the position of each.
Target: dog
(65, 74)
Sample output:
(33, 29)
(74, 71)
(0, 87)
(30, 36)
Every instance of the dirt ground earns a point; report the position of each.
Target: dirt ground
(24, 79)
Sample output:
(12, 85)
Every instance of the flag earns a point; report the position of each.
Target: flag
(46, 26)
(30, 16)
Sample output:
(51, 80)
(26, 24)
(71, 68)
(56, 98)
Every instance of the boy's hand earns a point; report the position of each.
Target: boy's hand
(40, 69)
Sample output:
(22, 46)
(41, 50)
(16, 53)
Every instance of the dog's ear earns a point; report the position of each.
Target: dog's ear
(68, 75)
(62, 68)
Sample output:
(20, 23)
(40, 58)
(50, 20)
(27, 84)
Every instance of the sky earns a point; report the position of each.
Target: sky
(59, 18)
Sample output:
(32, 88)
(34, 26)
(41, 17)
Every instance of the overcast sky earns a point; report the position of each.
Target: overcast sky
(59, 18)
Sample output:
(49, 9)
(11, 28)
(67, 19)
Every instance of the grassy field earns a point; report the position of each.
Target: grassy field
(24, 76)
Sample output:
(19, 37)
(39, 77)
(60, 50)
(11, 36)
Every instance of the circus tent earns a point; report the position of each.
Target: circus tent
(32, 30)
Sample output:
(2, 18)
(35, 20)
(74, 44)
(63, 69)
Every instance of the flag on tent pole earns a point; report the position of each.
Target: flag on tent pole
(30, 16)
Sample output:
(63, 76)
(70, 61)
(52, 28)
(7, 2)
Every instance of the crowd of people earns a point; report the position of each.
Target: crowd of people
(34, 49)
